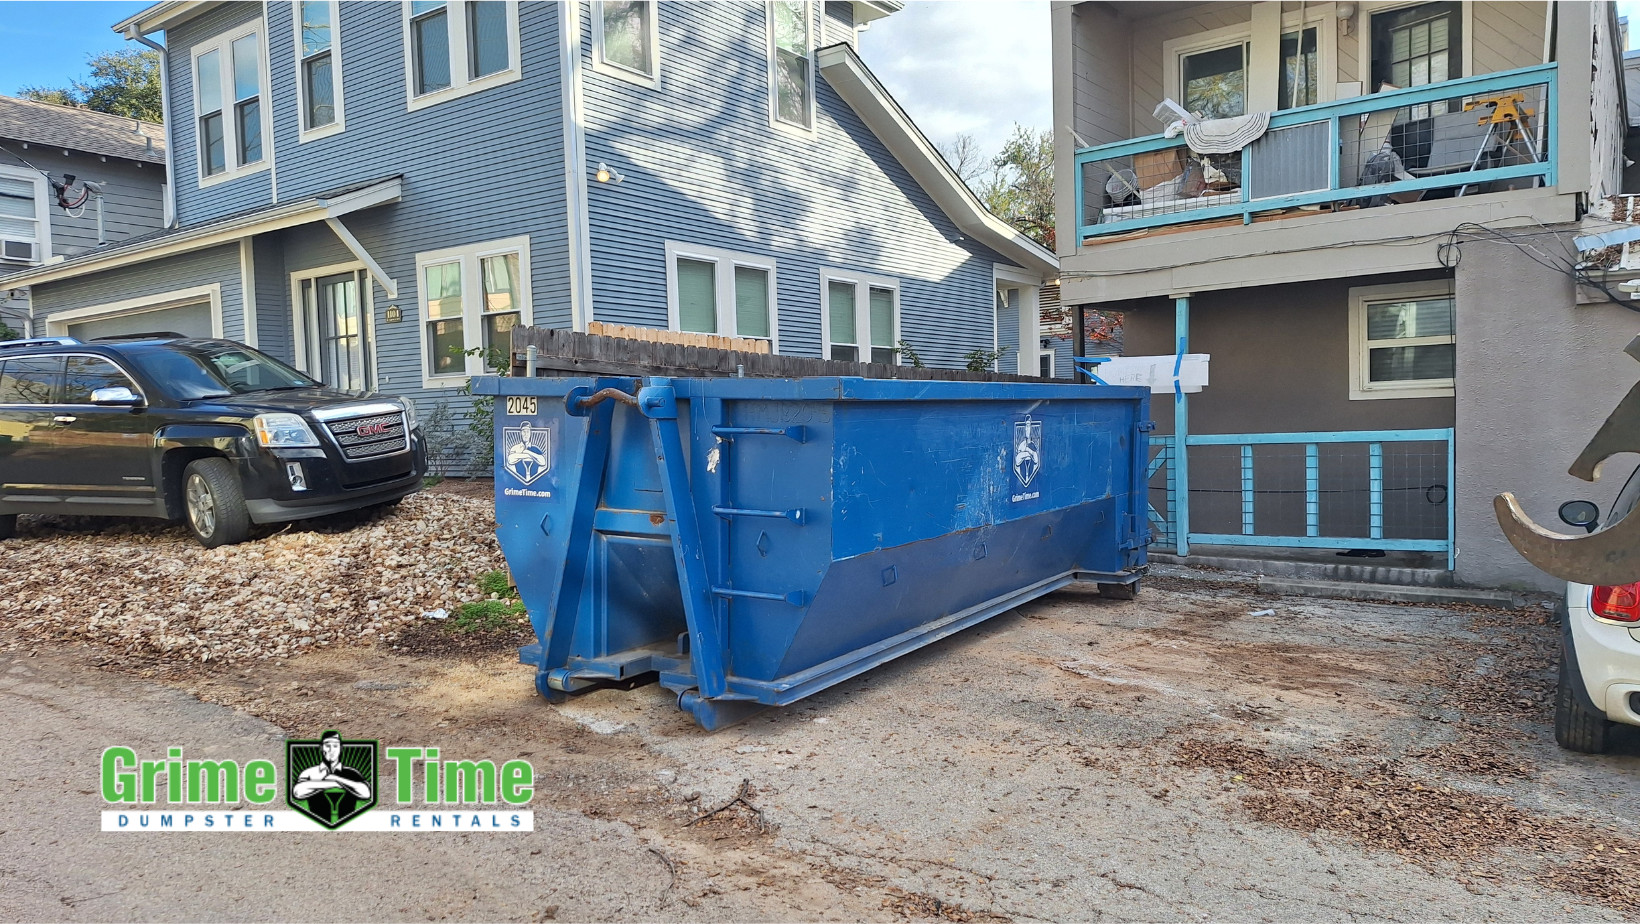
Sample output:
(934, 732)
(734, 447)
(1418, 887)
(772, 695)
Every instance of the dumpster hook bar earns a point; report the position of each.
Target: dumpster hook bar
(795, 598)
(580, 404)
(796, 514)
(793, 433)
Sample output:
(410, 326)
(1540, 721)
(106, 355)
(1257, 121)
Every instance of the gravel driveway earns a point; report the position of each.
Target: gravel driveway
(1184, 755)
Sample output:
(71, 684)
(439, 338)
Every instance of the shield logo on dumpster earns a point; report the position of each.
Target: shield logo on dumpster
(1027, 450)
(331, 780)
(526, 451)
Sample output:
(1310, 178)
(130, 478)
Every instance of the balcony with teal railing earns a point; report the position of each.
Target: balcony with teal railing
(1471, 136)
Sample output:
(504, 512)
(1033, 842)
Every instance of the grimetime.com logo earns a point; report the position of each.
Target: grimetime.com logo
(331, 784)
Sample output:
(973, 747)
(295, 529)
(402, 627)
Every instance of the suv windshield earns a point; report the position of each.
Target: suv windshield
(216, 372)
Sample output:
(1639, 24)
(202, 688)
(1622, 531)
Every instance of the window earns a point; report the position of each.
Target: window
(626, 41)
(458, 47)
(1044, 363)
(1417, 46)
(86, 374)
(1403, 342)
(712, 291)
(228, 94)
(1215, 82)
(861, 320)
(791, 64)
(471, 298)
(1299, 70)
(25, 222)
(30, 379)
(318, 67)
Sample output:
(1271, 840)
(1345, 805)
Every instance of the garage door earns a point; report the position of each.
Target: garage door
(192, 319)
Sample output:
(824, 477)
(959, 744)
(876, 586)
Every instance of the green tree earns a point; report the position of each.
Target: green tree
(1020, 188)
(123, 83)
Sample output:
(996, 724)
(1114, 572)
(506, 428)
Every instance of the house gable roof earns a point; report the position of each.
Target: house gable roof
(51, 125)
(855, 83)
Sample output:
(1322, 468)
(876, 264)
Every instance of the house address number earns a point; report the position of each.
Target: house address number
(522, 405)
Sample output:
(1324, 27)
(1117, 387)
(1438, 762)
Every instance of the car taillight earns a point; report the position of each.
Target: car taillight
(1620, 603)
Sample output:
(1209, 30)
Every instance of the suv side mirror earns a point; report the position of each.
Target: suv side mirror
(117, 396)
(1580, 513)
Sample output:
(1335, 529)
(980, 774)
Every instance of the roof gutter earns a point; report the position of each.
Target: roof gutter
(849, 76)
(303, 212)
(132, 35)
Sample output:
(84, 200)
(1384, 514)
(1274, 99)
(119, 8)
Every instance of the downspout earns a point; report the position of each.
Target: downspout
(132, 35)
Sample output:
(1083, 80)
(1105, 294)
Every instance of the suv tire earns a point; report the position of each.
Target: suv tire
(8, 525)
(213, 503)
(1577, 728)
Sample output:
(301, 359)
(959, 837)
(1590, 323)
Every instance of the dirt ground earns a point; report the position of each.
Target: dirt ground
(1202, 752)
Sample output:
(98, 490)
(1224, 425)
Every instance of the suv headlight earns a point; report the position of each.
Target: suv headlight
(409, 414)
(284, 431)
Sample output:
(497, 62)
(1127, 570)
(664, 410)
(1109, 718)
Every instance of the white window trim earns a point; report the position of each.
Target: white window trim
(42, 212)
(863, 284)
(1266, 82)
(305, 134)
(1361, 389)
(1042, 354)
(223, 43)
(775, 121)
(724, 262)
(460, 84)
(1363, 29)
(621, 71)
(57, 324)
(472, 312)
(301, 338)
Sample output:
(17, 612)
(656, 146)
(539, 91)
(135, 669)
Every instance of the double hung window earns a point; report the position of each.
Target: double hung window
(228, 98)
(318, 65)
(626, 40)
(1403, 340)
(791, 62)
(458, 47)
(471, 299)
(24, 219)
(712, 291)
(861, 318)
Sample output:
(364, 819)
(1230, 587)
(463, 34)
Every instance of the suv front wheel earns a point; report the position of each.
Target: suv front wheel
(214, 503)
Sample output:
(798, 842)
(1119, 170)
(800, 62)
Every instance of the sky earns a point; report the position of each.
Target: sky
(957, 67)
(965, 67)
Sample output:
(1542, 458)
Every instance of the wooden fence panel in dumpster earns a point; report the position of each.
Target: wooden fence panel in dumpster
(748, 542)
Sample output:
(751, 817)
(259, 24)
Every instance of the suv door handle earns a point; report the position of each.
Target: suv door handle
(64, 418)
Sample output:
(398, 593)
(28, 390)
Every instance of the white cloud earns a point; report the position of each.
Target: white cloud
(971, 68)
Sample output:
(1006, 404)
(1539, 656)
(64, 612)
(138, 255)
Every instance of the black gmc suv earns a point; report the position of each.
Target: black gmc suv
(207, 431)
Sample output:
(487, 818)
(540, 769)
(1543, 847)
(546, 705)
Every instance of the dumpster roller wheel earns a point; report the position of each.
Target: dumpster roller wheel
(713, 714)
(1119, 591)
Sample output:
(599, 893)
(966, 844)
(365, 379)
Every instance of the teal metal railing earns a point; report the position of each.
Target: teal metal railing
(1324, 151)
(1356, 482)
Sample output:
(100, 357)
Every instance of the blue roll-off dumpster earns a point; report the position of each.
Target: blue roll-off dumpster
(748, 542)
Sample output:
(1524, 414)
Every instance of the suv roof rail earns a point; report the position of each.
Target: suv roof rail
(145, 335)
(36, 342)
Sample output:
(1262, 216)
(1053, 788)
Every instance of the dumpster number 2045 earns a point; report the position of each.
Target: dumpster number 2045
(523, 405)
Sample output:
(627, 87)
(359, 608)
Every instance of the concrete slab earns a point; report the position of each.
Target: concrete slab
(1348, 590)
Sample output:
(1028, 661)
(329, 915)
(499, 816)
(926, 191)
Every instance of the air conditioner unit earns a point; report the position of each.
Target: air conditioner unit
(18, 250)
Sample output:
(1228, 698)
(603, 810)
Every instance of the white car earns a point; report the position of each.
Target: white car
(1600, 645)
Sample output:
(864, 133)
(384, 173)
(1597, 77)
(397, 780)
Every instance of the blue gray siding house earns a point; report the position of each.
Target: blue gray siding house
(42, 144)
(371, 190)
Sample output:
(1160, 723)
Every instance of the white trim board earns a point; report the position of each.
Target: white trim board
(863, 284)
(621, 71)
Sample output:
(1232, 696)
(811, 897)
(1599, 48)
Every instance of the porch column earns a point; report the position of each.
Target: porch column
(1030, 329)
(1181, 425)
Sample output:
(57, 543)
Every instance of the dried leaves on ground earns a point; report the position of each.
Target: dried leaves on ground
(146, 589)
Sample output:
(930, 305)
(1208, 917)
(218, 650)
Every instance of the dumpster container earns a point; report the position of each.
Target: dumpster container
(749, 542)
